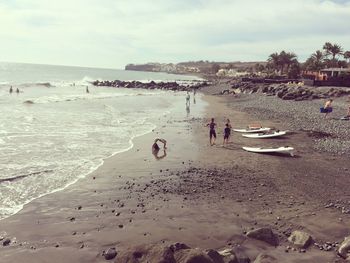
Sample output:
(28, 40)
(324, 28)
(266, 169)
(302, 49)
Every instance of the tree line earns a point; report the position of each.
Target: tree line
(286, 63)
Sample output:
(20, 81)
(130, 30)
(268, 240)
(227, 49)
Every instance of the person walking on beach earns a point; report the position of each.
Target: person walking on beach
(17, 91)
(87, 89)
(11, 90)
(227, 133)
(328, 107)
(212, 132)
(230, 127)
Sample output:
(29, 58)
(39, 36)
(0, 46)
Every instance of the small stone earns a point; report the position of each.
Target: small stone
(6, 242)
(110, 254)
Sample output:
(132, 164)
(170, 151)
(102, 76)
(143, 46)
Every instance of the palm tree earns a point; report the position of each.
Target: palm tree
(334, 50)
(281, 60)
(316, 61)
(286, 59)
(274, 61)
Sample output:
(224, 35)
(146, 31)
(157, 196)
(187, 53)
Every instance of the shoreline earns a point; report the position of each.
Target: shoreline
(202, 196)
(82, 176)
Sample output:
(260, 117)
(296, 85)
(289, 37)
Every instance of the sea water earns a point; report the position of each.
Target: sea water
(52, 133)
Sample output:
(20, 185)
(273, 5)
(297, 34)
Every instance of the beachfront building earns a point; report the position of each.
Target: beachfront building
(231, 73)
(335, 72)
(328, 77)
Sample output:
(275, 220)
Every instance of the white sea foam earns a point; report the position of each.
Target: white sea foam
(70, 138)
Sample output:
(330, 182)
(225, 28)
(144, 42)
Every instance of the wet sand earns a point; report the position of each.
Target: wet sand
(201, 195)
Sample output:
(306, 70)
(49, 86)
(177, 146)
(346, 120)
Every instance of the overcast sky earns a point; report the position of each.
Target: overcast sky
(112, 33)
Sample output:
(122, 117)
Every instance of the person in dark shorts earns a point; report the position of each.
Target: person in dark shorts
(212, 132)
(229, 126)
(227, 133)
(155, 146)
(327, 108)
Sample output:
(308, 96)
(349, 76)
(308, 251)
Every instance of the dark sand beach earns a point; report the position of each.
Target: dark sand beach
(200, 195)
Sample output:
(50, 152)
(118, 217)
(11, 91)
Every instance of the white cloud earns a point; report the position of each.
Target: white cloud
(111, 33)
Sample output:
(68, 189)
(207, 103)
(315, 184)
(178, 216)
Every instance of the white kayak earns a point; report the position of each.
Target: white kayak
(285, 149)
(252, 130)
(265, 135)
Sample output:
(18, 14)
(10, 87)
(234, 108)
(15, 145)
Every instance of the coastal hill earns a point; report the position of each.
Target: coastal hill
(205, 67)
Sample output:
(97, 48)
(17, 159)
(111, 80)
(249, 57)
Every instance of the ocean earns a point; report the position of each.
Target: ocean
(52, 133)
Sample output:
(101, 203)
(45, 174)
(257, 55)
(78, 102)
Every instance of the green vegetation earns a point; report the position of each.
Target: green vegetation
(328, 58)
(283, 63)
(286, 63)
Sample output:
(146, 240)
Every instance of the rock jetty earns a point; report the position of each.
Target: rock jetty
(174, 86)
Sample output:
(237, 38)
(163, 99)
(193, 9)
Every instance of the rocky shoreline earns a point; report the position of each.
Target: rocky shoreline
(285, 91)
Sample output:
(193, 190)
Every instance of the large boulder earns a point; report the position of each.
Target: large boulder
(264, 258)
(289, 96)
(215, 256)
(344, 248)
(300, 239)
(149, 253)
(264, 234)
(192, 256)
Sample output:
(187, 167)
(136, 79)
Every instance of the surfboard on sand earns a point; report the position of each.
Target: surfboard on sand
(285, 149)
(265, 135)
(252, 130)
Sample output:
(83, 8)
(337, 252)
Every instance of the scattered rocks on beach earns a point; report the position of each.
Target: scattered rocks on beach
(179, 254)
(288, 91)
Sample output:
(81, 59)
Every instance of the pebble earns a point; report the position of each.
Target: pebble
(111, 253)
(6, 242)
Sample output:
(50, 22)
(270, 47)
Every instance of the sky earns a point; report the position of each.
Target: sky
(113, 33)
